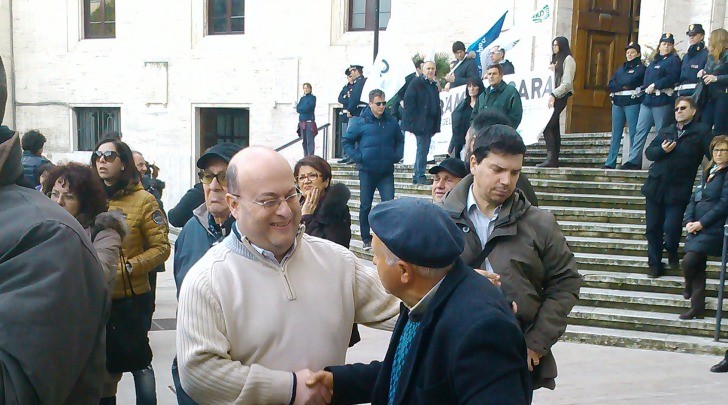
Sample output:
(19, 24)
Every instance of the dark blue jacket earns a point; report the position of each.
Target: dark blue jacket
(468, 350)
(355, 97)
(31, 164)
(466, 70)
(381, 142)
(306, 107)
(422, 111)
(709, 206)
(693, 61)
(629, 76)
(664, 72)
(719, 69)
(193, 242)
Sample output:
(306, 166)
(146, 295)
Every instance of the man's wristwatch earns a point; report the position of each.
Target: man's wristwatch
(128, 267)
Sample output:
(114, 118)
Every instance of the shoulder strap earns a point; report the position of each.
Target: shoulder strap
(480, 259)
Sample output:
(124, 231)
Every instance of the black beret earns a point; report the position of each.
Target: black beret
(418, 232)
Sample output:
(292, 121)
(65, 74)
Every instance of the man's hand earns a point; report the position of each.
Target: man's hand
(668, 146)
(450, 77)
(701, 72)
(533, 359)
(650, 89)
(693, 227)
(315, 394)
(324, 378)
(348, 114)
(494, 278)
(707, 79)
(552, 100)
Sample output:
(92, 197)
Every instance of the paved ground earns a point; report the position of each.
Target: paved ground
(588, 374)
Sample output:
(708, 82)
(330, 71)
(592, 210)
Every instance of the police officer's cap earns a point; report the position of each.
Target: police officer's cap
(635, 46)
(668, 37)
(695, 29)
(418, 232)
(360, 68)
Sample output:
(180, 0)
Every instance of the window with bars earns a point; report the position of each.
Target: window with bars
(361, 14)
(224, 125)
(225, 17)
(93, 122)
(99, 18)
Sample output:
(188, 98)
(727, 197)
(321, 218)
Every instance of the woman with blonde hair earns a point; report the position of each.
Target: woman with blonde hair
(715, 77)
(704, 219)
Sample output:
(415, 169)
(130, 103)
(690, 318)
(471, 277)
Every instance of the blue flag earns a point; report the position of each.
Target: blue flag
(487, 38)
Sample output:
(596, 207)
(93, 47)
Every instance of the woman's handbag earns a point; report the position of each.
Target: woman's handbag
(127, 343)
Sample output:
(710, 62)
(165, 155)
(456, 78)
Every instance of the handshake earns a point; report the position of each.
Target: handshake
(313, 388)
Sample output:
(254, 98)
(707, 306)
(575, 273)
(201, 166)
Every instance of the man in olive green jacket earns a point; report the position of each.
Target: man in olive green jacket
(536, 267)
(500, 95)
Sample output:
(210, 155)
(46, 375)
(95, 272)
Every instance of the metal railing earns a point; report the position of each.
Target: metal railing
(721, 286)
(324, 130)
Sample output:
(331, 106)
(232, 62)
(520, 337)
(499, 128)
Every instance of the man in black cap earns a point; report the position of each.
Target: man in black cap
(504, 233)
(355, 104)
(210, 223)
(344, 96)
(693, 61)
(447, 175)
(456, 335)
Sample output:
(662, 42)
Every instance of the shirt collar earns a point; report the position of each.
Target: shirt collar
(265, 253)
(417, 311)
(471, 202)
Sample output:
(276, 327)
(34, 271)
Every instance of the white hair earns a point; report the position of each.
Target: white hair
(428, 272)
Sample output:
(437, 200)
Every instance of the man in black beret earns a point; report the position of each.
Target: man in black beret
(456, 334)
(447, 175)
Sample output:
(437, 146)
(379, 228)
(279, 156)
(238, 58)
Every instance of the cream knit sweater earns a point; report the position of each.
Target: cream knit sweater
(244, 323)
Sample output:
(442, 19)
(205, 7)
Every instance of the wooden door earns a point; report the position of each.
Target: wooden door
(600, 31)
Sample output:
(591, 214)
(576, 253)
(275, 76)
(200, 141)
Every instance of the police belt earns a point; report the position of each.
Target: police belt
(362, 105)
(668, 92)
(688, 86)
(632, 93)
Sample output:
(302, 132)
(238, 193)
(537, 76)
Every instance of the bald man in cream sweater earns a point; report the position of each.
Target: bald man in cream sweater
(270, 303)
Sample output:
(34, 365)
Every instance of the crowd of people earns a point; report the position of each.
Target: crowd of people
(478, 275)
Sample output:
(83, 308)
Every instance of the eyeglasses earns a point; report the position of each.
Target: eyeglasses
(681, 108)
(274, 203)
(207, 177)
(379, 103)
(720, 150)
(108, 156)
(310, 177)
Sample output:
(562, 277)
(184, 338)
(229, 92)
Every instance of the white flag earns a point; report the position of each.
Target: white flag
(390, 68)
(539, 21)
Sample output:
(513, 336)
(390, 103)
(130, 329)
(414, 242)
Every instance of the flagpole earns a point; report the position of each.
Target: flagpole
(376, 29)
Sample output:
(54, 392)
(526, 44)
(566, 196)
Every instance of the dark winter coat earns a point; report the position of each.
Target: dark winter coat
(54, 300)
(504, 98)
(306, 108)
(374, 144)
(693, 62)
(468, 69)
(355, 97)
(709, 206)
(422, 111)
(182, 212)
(331, 220)
(194, 241)
(468, 350)
(672, 175)
(31, 164)
(718, 68)
(538, 270)
(461, 121)
(664, 72)
(508, 68)
(629, 76)
(107, 232)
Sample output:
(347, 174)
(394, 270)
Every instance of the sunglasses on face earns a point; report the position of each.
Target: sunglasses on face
(681, 108)
(207, 177)
(108, 156)
(379, 103)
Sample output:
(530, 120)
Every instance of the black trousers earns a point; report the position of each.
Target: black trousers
(552, 132)
(664, 227)
(693, 266)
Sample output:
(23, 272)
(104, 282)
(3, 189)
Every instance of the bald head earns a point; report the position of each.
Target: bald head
(255, 164)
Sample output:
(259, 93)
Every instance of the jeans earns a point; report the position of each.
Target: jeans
(620, 115)
(715, 115)
(308, 142)
(648, 117)
(368, 182)
(144, 385)
(662, 219)
(182, 397)
(423, 148)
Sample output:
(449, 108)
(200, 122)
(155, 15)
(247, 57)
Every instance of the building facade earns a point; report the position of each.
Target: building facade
(175, 76)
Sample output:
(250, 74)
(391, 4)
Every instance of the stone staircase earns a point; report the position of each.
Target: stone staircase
(601, 213)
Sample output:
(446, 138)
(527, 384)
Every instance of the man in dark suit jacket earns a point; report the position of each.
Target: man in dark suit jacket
(456, 340)
(465, 67)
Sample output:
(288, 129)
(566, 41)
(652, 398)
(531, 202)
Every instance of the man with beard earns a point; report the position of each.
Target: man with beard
(523, 244)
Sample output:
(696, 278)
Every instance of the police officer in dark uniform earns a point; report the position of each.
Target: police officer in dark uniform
(659, 88)
(344, 96)
(626, 100)
(693, 61)
(355, 105)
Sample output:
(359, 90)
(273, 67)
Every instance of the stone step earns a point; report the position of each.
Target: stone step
(591, 201)
(639, 282)
(640, 300)
(632, 264)
(645, 321)
(601, 230)
(599, 215)
(580, 162)
(586, 174)
(600, 142)
(585, 187)
(625, 247)
(570, 152)
(643, 340)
